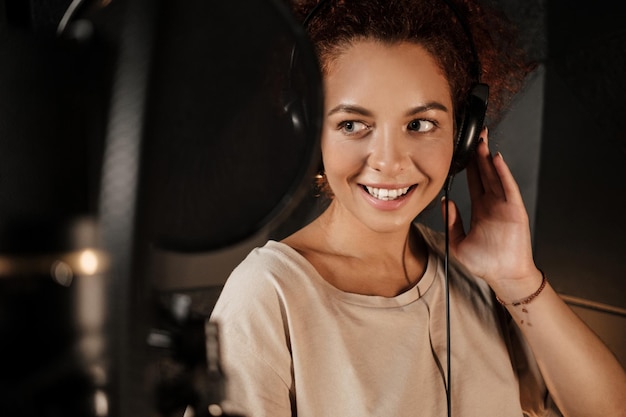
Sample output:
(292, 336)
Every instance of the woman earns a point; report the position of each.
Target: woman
(347, 316)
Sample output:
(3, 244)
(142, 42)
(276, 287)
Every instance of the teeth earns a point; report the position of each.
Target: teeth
(386, 194)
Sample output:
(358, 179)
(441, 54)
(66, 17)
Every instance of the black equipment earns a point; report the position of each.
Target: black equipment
(469, 127)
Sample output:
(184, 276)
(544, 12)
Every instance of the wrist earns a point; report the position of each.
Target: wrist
(522, 290)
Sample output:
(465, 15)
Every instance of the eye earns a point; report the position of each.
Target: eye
(421, 125)
(351, 127)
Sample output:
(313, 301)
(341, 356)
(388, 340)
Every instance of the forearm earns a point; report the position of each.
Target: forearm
(582, 375)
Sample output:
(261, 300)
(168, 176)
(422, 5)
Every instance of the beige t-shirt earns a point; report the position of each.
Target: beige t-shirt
(294, 345)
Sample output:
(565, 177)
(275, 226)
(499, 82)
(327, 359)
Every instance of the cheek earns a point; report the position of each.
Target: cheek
(339, 156)
(340, 163)
(446, 156)
(333, 164)
(434, 161)
(444, 160)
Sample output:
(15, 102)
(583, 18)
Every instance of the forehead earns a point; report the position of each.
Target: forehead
(368, 69)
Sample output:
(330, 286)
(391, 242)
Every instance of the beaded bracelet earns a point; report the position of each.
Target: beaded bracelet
(530, 297)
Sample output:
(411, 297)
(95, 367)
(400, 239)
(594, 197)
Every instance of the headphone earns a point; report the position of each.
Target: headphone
(471, 117)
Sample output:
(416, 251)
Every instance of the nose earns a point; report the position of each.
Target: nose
(388, 153)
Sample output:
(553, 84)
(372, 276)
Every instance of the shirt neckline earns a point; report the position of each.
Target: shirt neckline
(407, 297)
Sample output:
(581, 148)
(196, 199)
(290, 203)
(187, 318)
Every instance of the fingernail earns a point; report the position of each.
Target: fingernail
(499, 155)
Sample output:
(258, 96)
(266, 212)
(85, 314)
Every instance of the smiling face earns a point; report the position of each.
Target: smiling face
(387, 139)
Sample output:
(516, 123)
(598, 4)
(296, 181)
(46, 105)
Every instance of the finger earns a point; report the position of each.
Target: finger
(510, 188)
(474, 182)
(488, 174)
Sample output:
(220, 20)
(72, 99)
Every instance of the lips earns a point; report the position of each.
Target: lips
(387, 194)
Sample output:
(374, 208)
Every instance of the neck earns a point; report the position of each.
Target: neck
(359, 259)
(346, 236)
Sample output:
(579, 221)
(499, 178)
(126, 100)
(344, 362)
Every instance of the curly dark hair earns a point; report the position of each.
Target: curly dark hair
(502, 63)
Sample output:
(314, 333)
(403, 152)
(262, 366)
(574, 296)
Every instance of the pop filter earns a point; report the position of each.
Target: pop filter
(231, 126)
(212, 132)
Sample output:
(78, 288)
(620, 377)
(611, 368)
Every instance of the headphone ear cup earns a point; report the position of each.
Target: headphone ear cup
(293, 107)
(470, 127)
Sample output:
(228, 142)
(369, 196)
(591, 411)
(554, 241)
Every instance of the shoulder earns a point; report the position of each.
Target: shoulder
(271, 259)
(254, 326)
(265, 268)
(263, 282)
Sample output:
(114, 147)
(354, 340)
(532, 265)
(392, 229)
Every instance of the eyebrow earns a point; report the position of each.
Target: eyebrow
(433, 105)
(351, 108)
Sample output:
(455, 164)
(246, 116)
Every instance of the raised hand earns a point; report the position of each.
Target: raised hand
(497, 247)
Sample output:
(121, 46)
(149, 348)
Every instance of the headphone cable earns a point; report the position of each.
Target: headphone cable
(448, 384)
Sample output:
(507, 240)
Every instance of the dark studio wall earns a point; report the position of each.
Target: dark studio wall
(580, 238)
